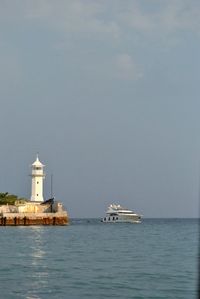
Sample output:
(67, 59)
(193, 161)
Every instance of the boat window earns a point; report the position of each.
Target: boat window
(104, 219)
(108, 218)
(116, 218)
(113, 218)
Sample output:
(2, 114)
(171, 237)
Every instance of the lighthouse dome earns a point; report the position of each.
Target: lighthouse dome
(37, 163)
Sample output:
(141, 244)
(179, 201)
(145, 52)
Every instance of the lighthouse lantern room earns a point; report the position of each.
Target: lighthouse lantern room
(37, 175)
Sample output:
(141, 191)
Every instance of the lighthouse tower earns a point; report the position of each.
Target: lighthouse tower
(37, 175)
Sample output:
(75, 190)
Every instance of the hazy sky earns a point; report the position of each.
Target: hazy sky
(108, 93)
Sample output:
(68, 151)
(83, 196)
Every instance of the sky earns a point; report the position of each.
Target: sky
(107, 92)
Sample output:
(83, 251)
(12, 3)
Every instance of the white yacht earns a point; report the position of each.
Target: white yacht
(116, 213)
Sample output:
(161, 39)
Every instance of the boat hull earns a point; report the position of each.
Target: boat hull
(121, 219)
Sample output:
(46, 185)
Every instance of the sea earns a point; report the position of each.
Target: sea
(157, 258)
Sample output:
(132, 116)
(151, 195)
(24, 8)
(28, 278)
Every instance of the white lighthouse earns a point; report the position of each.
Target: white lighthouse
(37, 175)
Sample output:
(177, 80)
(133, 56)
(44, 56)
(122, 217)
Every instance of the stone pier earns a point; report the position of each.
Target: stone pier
(25, 219)
(33, 213)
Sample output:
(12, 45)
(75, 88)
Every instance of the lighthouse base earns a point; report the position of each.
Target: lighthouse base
(33, 213)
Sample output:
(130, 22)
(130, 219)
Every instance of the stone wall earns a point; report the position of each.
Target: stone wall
(25, 219)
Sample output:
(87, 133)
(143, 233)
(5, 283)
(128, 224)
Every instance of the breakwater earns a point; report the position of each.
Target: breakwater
(25, 219)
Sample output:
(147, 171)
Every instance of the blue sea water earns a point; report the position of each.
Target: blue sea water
(89, 259)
